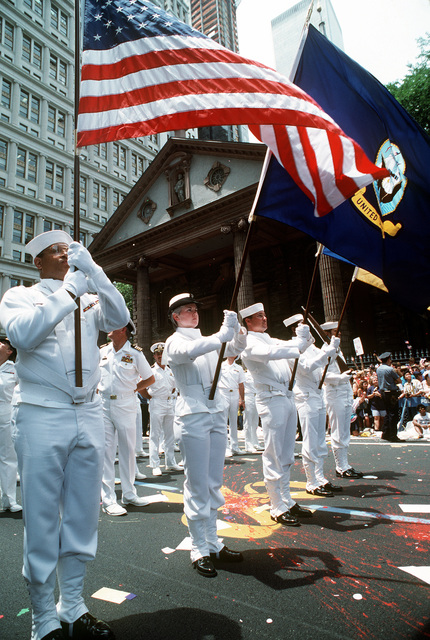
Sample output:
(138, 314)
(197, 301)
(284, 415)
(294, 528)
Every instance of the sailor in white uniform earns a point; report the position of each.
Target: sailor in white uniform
(339, 398)
(193, 359)
(251, 418)
(162, 398)
(312, 411)
(267, 360)
(59, 436)
(8, 460)
(124, 372)
(231, 385)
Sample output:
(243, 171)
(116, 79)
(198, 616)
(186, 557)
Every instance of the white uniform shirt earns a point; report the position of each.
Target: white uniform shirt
(309, 372)
(121, 370)
(8, 381)
(39, 322)
(271, 372)
(231, 376)
(163, 391)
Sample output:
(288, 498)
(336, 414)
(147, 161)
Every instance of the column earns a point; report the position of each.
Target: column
(8, 231)
(246, 290)
(143, 328)
(334, 296)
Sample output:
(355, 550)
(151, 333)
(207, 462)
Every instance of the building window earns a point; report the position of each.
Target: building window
(23, 103)
(6, 93)
(35, 109)
(119, 156)
(16, 255)
(35, 5)
(29, 227)
(101, 150)
(26, 165)
(3, 155)
(82, 189)
(57, 69)
(6, 34)
(31, 51)
(14, 282)
(59, 20)
(18, 218)
(56, 121)
(1, 220)
(54, 177)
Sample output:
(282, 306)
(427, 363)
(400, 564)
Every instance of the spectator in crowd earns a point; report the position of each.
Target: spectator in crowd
(376, 404)
(421, 421)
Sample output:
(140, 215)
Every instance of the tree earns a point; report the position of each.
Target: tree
(127, 293)
(413, 92)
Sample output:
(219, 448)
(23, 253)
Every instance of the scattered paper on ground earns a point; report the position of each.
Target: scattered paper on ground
(423, 573)
(111, 595)
(415, 508)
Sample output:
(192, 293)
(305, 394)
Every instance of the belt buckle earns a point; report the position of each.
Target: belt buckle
(113, 397)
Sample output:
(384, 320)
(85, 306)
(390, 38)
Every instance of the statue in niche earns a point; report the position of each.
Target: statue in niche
(179, 188)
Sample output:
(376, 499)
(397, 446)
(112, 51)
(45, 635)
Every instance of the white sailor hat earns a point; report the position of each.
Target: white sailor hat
(385, 355)
(181, 299)
(157, 346)
(249, 311)
(132, 328)
(327, 326)
(298, 317)
(45, 240)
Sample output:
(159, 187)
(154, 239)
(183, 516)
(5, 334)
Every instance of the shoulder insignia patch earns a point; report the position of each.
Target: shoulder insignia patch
(135, 346)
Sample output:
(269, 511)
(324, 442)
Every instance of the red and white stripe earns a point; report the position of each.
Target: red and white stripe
(167, 83)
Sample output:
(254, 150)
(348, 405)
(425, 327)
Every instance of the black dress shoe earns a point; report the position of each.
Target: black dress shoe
(392, 439)
(227, 555)
(349, 473)
(300, 512)
(320, 491)
(57, 634)
(332, 487)
(286, 519)
(88, 627)
(205, 567)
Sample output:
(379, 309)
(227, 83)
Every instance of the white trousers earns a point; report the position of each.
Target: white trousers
(161, 430)
(339, 410)
(279, 423)
(119, 418)
(60, 459)
(203, 444)
(250, 422)
(312, 414)
(230, 416)
(8, 460)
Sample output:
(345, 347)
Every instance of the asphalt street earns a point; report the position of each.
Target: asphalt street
(359, 569)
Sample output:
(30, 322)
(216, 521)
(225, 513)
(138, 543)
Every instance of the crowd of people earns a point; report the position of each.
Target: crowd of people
(411, 399)
(64, 419)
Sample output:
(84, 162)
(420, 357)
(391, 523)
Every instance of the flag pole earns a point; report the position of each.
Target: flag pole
(76, 182)
(354, 276)
(306, 311)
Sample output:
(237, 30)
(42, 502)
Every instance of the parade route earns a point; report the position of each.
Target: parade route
(359, 569)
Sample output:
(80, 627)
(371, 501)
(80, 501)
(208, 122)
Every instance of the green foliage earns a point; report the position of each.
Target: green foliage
(413, 92)
(127, 292)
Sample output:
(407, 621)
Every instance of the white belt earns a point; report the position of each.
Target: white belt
(52, 393)
(277, 390)
(115, 396)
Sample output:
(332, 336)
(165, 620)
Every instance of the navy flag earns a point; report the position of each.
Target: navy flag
(385, 227)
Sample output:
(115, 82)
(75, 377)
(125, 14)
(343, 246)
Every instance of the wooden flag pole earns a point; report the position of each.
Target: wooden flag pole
(354, 275)
(233, 302)
(306, 311)
(76, 182)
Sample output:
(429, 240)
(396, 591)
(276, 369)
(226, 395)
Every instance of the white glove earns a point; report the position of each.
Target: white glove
(329, 351)
(81, 259)
(346, 375)
(75, 282)
(335, 342)
(225, 334)
(230, 319)
(303, 332)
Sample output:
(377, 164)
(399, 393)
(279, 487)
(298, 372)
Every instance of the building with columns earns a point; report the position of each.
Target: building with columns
(36, 136)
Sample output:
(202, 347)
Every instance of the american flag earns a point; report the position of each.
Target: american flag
(144, 72)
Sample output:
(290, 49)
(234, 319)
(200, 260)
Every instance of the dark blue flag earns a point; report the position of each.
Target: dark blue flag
(385, 227)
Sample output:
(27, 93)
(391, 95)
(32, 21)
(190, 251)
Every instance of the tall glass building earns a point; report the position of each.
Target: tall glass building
(36, 136)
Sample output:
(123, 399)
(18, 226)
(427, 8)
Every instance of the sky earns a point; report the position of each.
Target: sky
(378, 34)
